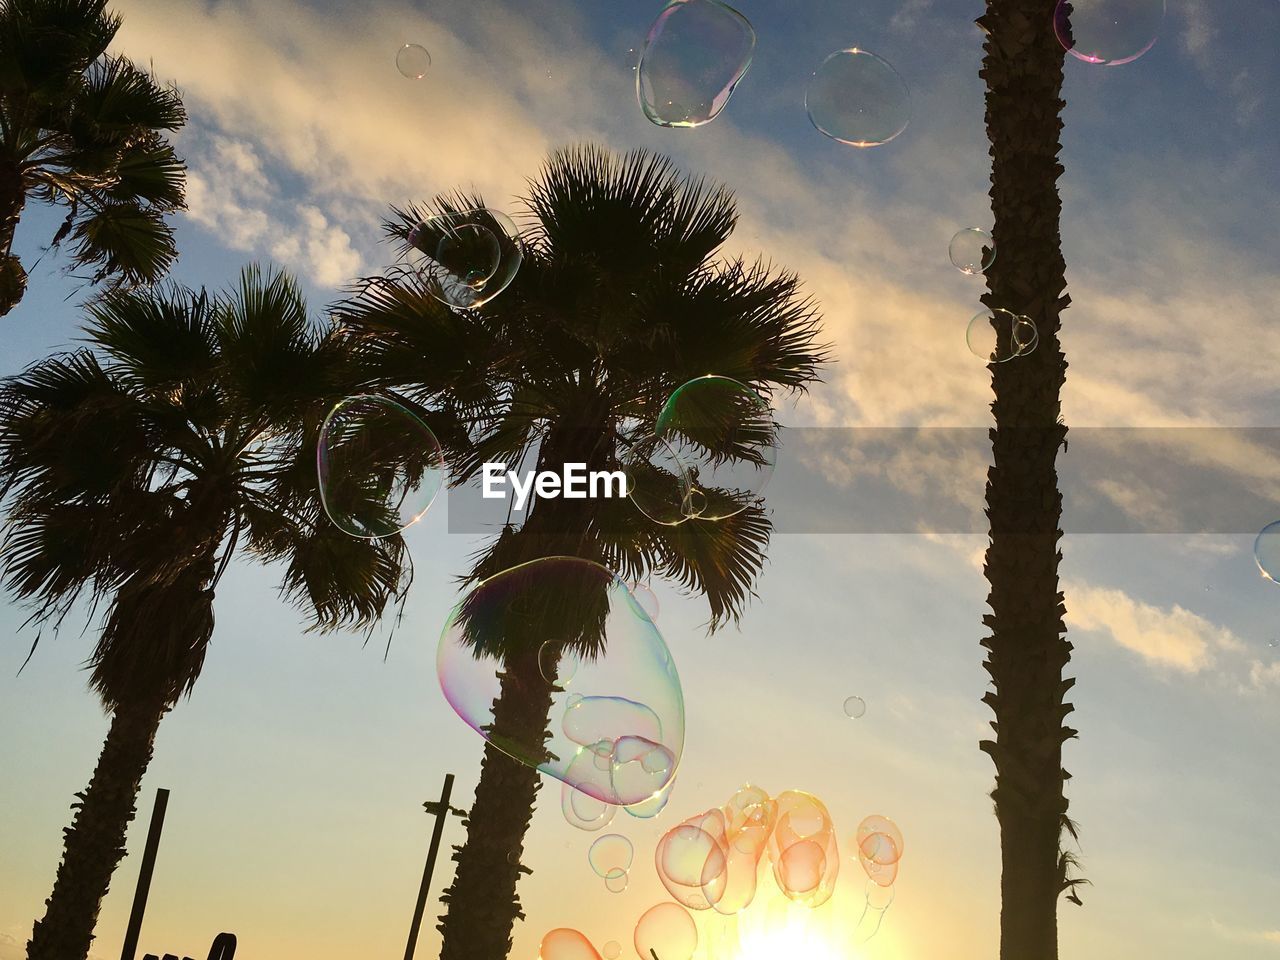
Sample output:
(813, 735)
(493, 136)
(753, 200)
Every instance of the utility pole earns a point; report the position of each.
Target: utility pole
(441, 810)
(144, 875)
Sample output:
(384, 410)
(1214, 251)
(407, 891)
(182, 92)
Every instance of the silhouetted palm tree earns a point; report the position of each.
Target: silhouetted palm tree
(134, 472)
(1027, 649)
(619, 302)
(84, 130)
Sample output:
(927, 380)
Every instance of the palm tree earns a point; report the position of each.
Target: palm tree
(133, 472)
(620, 300)
(84, 130)
(1027, 650)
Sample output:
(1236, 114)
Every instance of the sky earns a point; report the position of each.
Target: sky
(299, 765)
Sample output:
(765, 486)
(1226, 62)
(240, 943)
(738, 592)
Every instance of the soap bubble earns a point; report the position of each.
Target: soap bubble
(1108, 32)
(612, 949)
(645, 596)
(610, 852)
(379, 466)
(804, 830)
(696, 53)
(616, 880)
(1266, 552)
(876, 902)
(857, 98)
(558, 664)
(413, 61)
(657, 482)
(566, 944)
(879, 839)
(648, 809)
(666, 931)
(691, 860)
(625, 693)
(584, 811)
(854, 707)
(723, 436)
(466, 257)
(972, 251)
(997, 336)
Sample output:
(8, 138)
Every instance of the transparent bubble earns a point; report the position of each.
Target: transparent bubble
(648, 809)
(1108, 32)
(617, 880)
(584, 811)
(566, 944)
(645, 596)
(413, 61)
(1266, 552)
(723, 437)
(997, 336)
(691, 859)
(972, 251)
(657, 482)
(855, 707)
(626, 684)
(696, 53)
(558, 664)
(610, 852)
(466, 257)
(666, 931)
(379, 466)
(880, 847)
(611, 950)
(858, 98)
(804, 828)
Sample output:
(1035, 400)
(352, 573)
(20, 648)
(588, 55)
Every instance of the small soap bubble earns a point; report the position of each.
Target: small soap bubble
(465, 257)
(413, 61)
(972, 251)
(610, 852)
(854, 707)
(611, 950)
(1109, 32)
(857, 98)
(617, 880)
(997, 336)
(1266, 552)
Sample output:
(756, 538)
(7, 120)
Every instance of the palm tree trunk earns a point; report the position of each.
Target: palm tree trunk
(1027, 650)
(482, 903)
(13, 278)
(94, 843)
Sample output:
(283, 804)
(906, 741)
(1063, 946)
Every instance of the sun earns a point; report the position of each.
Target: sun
(774, 928)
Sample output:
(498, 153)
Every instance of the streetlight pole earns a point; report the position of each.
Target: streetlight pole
(441, 810)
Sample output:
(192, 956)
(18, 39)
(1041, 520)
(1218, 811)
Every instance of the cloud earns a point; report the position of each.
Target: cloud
(1244, 935)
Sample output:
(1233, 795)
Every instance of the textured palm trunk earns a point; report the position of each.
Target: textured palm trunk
(13, 278)
(1027, 650)
(94, 843)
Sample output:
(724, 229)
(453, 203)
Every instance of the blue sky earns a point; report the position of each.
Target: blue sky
(299, 765)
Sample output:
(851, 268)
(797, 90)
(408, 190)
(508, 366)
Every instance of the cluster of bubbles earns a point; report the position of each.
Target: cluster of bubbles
(610, 857)
(880, 845)
(972, 251)
(997, 336)
(615, 704)
(413, 61)
(379, 466)
(665, 931)
(709, 456)
(1110, 32)
(466, 257)
(698, 51)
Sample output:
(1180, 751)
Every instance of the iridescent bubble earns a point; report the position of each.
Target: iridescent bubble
(1108, 32)
(880, 846)
(723, 436)
(413, 61)
(696, 53)
(648, 809)
(617, 879)
(854, 707)
(804, 828)
(691, 859)
(611, 950)
(645, 596)
(1266, 552)
(666, 931)
(584, 811)
(972, 251)
(626, 684)
(566, 944)
(465, 257)
(997, 336)
(857, 98)
(379, 466)
(558, 663)
(610, 852)
(657, 482)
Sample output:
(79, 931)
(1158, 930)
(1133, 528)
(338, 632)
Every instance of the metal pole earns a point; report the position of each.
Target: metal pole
(144, 875)
(442, 813)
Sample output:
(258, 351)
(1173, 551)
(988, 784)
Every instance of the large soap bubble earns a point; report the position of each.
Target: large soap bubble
(693, 58)
(1266, 551)
(803, 849)
(616, 726)
(998, 336)
(1108, 32)
(379, 466)
(691, 860)
(723, 436)
(566, 944)
(857, 98)
(467, 257)
(666, 931)
(972, 251)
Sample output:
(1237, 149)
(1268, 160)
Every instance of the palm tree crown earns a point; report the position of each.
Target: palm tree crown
(84, 130)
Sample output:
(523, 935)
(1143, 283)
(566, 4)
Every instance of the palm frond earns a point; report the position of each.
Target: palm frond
(126, 242)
